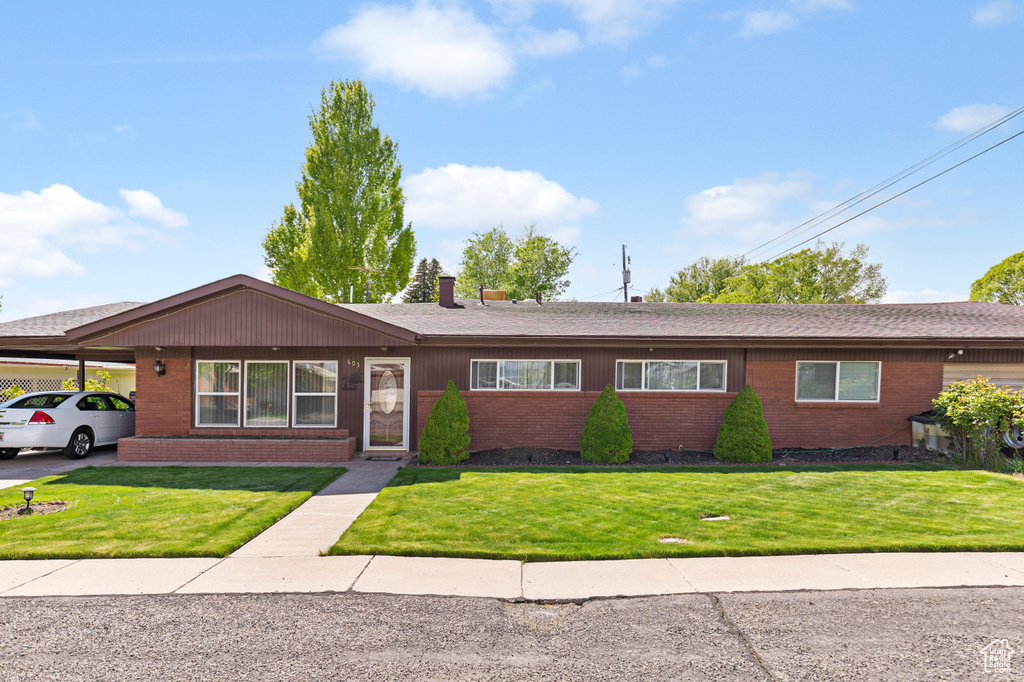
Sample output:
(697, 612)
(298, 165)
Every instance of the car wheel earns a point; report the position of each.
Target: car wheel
(1014, 438)
(8, 453)
(80, 444)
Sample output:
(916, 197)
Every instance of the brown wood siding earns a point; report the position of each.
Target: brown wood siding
(984, 355)
(876, 355)
(245, 317)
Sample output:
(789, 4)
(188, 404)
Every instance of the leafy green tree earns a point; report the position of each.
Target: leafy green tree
(743, 436)
(824, 274)
(445, 437)
(424, 283)
(606, 437)
(348, 230)
(704, 280)
(522, 267)
(100, 383)
(11, 392)
(1003, 283)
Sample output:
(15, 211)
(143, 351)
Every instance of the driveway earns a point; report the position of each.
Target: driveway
(28, 466)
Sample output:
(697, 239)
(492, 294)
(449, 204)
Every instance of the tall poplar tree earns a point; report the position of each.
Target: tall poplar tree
(348, 233)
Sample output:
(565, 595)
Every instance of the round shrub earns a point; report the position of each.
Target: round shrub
(744, 433)
(606, 437)
(445, 437)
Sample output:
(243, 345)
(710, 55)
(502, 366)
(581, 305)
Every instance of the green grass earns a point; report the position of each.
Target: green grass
(156, 511)
(614, 513)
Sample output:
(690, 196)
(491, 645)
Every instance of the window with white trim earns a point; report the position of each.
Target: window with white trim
(218, 390)
(266, 393)
(529, 375)
(842, 381)
(315, 394)
(670, 375)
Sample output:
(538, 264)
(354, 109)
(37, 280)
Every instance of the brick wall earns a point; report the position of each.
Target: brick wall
(555, 420)
(907, 388)
(163, 405)
(195, 449)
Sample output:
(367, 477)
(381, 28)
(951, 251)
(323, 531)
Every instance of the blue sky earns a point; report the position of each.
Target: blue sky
(146, 150)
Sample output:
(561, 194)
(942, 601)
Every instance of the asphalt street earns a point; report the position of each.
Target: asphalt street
(924, 634)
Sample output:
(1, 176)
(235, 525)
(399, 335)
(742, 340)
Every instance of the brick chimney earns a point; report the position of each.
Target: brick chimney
(446, 291)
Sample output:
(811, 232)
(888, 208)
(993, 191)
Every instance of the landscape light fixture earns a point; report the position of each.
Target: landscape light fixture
(529, 457)
(160, 368)
(28, 493)
(668, 455)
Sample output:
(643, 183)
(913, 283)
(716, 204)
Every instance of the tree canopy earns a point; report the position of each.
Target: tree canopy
(348, 232)
(523, 267)
(424, 283)
(824, 274)
(1003, 283)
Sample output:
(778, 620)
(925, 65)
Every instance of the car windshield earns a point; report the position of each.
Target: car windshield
(40, 400)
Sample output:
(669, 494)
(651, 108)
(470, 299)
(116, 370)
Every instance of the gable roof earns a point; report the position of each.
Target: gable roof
(945, 322)
(264, 302)
(55, 324)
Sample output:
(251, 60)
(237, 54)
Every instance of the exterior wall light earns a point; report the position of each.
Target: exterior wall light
(160, 368)
(28, 493)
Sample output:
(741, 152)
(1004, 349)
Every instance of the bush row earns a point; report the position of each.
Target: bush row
(606, 437)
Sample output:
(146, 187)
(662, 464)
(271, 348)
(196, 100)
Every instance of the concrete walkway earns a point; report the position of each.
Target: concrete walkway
(285, 558)
(28, 466)
(511, 580)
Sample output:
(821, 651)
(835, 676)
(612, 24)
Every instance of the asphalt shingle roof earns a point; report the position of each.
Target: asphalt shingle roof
(55, 324)
(709, 320)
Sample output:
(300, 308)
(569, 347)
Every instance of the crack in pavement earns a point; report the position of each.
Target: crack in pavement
(739, 633)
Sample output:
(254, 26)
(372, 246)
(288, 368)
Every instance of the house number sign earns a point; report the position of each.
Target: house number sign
(387, 389)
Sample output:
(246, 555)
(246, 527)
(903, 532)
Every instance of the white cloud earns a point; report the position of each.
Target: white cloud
(605, 21)
(632, 71)
(923, 296)
(477, 197)
(442, 52)
(22, 119)
(147, 205)
(749, 208)
(37, 229)
(972, 117)
(537, 43)
(997, 13)
(757, 22)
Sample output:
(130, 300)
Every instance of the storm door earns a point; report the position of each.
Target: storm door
(386, 409)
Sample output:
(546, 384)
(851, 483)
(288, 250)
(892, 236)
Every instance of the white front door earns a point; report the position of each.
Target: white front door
(386, 404)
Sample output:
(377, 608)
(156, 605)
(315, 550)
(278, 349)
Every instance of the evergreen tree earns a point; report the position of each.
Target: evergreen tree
(424, 283)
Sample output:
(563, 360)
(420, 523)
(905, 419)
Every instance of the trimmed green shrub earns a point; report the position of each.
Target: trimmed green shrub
(743, 436)
(445, 437)
(606, 437)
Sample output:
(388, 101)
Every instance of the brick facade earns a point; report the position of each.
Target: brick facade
(907, 388)
(165, 432)
(197, 449)
(555, 419)
(668, 420)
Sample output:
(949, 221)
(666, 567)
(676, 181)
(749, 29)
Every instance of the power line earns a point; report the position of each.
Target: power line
(896, 196)
(889, 182)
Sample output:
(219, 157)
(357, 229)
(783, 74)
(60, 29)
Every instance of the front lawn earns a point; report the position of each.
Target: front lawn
(156, 511)
(614, 513)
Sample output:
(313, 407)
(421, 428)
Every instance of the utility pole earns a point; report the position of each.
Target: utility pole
(625, 276)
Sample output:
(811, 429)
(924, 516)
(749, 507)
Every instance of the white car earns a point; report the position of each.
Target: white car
(69, 420)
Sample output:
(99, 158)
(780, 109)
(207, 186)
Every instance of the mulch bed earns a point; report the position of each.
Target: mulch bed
(517, 457)
(36, 508)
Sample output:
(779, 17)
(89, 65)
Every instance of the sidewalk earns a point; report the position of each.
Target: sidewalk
(285, 558)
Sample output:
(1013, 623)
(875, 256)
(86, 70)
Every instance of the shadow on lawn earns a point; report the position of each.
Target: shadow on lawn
(252, 479)
(415, 475)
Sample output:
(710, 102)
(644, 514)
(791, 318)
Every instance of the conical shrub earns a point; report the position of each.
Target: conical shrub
(606, 437)
(743, 436)
(445, 437)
